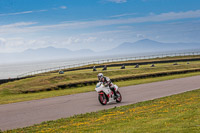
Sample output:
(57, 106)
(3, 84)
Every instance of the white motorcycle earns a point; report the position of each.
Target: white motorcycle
(106, 95)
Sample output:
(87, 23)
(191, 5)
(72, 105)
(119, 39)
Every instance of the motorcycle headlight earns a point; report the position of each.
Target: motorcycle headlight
(98, 85)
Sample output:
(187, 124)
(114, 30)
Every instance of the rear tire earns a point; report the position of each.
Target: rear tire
(119, 99)
(103, 99)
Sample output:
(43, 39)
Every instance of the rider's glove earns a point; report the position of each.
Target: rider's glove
(106, 84)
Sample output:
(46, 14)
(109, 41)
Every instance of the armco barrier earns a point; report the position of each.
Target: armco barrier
(157, 74)
(129, 64)
(111, 65)
(74, 67)
(108, 61)
(2, 81)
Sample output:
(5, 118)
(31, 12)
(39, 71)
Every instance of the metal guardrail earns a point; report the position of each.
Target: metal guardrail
(32, 73)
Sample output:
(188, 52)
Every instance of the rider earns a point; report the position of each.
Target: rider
(107, 82)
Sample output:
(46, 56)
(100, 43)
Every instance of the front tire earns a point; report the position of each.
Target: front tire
(102, 99)
(119, 99)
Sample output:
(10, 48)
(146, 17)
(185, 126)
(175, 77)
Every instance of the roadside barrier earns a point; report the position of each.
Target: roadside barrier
(98, 62)
(90, 82)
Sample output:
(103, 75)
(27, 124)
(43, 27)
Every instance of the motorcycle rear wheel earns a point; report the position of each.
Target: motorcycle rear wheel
(119, 99)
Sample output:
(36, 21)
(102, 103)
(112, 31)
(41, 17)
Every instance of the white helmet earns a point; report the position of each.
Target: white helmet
(100, 76)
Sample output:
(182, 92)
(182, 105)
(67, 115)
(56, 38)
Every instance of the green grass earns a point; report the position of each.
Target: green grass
(53, 80)
(6, 97)
(177, 113)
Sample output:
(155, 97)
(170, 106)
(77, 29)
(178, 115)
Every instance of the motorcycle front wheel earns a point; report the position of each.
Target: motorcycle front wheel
(102, 99)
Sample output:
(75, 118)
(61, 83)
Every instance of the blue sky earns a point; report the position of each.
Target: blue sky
(95, 24)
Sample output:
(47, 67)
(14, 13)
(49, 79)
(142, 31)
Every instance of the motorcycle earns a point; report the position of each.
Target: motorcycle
(105, 95)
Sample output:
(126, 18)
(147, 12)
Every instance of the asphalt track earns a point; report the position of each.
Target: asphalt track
(22, 114)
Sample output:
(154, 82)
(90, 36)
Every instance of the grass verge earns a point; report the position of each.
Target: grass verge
(177, 113)
(55, 81)
(6, 97)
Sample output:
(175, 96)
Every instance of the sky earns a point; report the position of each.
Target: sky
(95, 24)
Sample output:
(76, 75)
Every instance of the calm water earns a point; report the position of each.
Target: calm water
(13, 70)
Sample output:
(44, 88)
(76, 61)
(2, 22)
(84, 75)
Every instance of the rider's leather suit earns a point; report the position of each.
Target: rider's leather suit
(107, 82)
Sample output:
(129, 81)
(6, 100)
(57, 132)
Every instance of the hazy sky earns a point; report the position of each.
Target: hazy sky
(95, 24)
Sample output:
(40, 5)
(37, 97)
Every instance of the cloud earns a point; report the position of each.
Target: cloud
(21, 27)
(24, 12)
(63, 7)
(16, 13)
(118, 1)
(140, 36)
(186, 31)
(18, 24)
(122, 15)
(18, 44)
(29, 12)
(74, 40)
(151, 18)
(30, 27)
(2, 42)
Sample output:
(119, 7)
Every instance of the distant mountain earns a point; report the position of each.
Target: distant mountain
(51, 52)
(47, 53)
(140, 47)
(84, 52)
(147, 45)
(47, 50)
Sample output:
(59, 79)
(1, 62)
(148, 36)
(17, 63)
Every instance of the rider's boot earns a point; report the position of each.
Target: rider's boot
(115, 97)
(115, 94)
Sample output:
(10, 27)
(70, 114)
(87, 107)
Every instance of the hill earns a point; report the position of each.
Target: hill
(147, 45)
(47, 53)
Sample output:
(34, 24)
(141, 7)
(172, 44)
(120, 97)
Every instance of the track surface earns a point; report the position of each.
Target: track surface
(27, 113)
